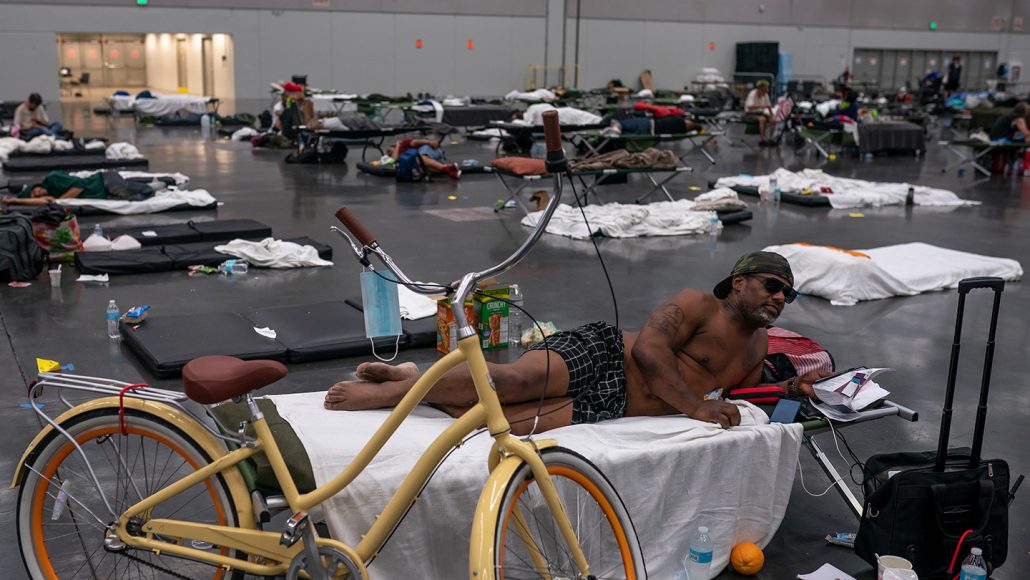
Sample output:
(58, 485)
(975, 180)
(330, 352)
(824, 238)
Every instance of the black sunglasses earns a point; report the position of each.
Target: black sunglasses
(772, 286)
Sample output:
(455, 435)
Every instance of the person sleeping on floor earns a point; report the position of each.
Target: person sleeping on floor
(692, 349)
(62, 185)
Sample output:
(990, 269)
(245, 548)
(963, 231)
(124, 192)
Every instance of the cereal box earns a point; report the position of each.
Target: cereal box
(487, 314)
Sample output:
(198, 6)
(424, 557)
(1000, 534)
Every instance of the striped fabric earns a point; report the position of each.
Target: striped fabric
(784, 107)
(789, 355)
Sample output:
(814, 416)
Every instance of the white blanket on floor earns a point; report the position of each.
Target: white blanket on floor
(537, 95)
(273, 253)
(122, 150)
(616, 220)
(673, 474)
(161, 201)
(848, 193)
(899, 270)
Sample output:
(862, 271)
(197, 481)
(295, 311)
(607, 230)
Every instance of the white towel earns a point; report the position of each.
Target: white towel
(273, 253)
(566, 115)
(415, 306)
(122, 151)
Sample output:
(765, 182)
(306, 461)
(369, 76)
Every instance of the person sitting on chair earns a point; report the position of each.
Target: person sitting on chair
(692, 349)
(298, 111)
(1011, 127)
(757, 106)
(62, 185)
(31, 119)
(430, 152)
(848, 107)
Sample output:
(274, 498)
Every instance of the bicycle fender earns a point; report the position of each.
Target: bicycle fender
(212, 446)
(484, 522)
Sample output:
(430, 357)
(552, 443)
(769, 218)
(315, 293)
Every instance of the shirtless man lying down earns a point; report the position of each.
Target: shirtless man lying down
(692, 345)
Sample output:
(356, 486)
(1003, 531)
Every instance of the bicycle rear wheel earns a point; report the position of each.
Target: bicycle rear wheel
(528, 543)
(62, 518)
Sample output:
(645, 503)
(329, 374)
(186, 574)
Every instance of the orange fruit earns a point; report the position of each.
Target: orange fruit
(747, 558)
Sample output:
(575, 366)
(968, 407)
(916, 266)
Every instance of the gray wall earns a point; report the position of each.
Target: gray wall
(368, 45)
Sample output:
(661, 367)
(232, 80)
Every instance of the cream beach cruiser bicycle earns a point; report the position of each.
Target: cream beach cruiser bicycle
(140, 484)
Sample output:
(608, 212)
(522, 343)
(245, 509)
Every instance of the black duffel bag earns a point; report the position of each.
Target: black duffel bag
(21, 258)
(922, 515)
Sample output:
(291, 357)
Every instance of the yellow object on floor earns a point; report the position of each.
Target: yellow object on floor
(747, 558)
(856, 215)
(48, 366)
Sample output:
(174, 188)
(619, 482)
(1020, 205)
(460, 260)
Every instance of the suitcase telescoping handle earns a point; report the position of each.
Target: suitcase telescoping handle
(964, 288)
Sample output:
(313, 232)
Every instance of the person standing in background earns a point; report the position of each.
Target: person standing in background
(954, 76)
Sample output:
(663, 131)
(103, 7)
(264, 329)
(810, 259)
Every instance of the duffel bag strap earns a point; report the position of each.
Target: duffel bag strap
(958, 549)
(984, 502)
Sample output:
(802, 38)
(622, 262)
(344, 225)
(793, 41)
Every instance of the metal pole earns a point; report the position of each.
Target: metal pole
(578, 4)
(564, 44)
(547, 38)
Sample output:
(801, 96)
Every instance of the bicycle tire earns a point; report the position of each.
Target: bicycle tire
(93, 430)
(587, 495)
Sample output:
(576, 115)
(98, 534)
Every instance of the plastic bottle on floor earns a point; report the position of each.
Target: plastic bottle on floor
(205, 121)
(98, 231)
(714, 226)
(974, 567)
(698, 562)
(112, 319)
(514, 321)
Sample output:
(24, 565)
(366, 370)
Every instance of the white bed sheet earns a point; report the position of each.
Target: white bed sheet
(161, 201)
(899, 270)
(849, 193)
(673, 474)
(162, 105)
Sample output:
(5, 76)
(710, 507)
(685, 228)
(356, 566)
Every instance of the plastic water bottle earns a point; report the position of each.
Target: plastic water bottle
(205, 121)
(713, 226)
(974, 567)
(514, 320)
(910, 197)
(698, 562)
(112, 319)
(98, 231)
(537, 151)
(774, 184)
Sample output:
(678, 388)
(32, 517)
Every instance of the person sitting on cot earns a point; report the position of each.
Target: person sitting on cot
(430, 152)
(758, 107)
(692, 349)
(848, 107)
(1011, 127)
(62, 185)
(32, 121)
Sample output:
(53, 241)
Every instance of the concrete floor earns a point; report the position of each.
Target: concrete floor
(564, 283)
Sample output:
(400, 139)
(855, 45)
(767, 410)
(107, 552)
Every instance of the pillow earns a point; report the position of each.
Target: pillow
(520, 165)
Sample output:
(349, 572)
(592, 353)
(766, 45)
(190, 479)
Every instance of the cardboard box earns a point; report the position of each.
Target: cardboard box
(487, 314)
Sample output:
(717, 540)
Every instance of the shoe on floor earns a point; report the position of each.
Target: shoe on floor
(453, 171)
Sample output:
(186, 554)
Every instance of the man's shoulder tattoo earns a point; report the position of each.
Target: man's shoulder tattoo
(667, 319)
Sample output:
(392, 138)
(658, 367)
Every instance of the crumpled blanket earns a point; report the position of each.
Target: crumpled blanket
(566, 115)
(537, 95)
(720, 199)
(849, 193)
(244, 134)
(273, 253)
(650, 158)
(95, 145)
(161, 201)
(825, 107)
(122, 150)
(616, 220)
(179, 178)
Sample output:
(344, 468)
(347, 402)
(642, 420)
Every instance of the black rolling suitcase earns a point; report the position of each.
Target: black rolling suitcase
(932, 507)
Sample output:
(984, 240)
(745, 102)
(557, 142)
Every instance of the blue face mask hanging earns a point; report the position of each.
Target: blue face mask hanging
(382, 308)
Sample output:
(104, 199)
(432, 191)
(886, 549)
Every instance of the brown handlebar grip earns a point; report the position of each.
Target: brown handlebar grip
(351, 223)
(552, 132)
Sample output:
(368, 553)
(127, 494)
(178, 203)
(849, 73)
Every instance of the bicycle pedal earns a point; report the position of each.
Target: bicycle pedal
(294, 529)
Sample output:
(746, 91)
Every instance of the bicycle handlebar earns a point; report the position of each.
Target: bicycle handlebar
(552, 132)
(351, 222)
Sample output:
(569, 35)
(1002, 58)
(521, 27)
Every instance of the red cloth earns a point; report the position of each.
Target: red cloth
(659, 111)
(292, 88)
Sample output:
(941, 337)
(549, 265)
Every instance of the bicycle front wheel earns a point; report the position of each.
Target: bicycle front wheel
(62, 519)
(528, 543)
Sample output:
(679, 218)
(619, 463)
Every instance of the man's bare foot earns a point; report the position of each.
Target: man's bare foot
(378, 372)
(362, 395)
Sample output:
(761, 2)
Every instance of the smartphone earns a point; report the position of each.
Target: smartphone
(786, 411)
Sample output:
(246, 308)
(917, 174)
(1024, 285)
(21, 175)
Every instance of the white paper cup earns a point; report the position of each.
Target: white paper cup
(55, 278)
(884, 563)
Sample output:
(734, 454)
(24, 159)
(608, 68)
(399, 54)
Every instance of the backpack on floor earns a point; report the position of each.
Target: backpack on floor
(409, 167)
(336, 154)
(21, 258)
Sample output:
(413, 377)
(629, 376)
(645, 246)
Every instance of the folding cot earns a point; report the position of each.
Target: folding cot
(598, 176)
(597, 142)
(68, 162)
(522, 136)
(367, 138)
(978, 151)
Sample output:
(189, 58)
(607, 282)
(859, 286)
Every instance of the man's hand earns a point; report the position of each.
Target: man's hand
(805, 382)
(725, 414)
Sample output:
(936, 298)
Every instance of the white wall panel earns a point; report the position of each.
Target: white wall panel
(364, 53)
(296, 43)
